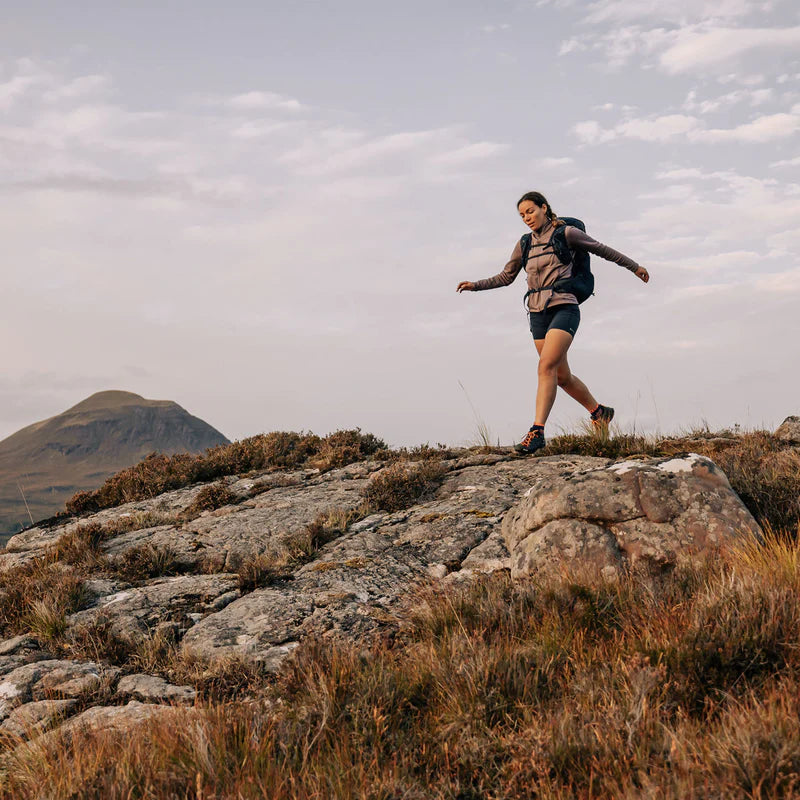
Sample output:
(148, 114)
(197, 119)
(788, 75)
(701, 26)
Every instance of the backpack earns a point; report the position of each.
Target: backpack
(581, 282)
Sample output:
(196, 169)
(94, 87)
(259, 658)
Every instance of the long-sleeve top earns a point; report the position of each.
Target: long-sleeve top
(543, 269)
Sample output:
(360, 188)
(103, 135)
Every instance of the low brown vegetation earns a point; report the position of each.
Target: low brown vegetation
(556, 687)
(143, 562)
(278, 450)
(402, 484)
(210, 498)
(561, 687)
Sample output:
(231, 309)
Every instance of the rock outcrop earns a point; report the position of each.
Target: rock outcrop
(490, 512)
(644, 513)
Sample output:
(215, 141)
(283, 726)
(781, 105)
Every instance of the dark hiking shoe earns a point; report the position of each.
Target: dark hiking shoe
(601, 416)
(533, 441)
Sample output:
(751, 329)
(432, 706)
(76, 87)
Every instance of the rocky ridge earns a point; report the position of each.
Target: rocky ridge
(490, 511)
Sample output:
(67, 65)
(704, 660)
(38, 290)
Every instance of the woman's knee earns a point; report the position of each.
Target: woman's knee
(548, 368)
(564, 376)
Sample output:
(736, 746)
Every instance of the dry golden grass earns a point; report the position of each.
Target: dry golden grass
(567, 686)
(562, 687)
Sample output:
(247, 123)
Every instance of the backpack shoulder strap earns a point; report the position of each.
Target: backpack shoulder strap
(558, 241)
(525, 248)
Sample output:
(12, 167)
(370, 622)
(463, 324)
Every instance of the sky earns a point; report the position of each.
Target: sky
(261, 210)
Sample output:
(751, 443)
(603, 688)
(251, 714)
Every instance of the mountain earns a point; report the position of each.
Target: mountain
(51, 460)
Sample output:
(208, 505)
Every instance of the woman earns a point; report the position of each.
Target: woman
(554, 316)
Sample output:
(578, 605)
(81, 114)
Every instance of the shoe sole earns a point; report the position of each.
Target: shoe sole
(525, 452)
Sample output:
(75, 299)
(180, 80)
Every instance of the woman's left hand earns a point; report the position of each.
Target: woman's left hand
(642, 273)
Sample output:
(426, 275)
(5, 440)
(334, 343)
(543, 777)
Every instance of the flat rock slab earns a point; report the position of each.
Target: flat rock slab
(228, 536)
(153, 689)
(349, 589)
(33, 718)
(19, 644)
(134, 613)
(51, 679)
(646, 512)
(111, 720)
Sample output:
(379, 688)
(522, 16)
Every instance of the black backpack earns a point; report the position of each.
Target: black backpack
(581, 282)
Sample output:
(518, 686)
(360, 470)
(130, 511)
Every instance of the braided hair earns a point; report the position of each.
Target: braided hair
(540, 200)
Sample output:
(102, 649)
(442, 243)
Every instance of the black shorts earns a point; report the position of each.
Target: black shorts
(565, 317)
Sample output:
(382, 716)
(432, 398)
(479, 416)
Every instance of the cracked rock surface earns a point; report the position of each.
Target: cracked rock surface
(135, 612)
(492, 511)
(646, 513)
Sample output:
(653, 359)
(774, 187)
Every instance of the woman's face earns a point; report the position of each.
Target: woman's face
(532, 215)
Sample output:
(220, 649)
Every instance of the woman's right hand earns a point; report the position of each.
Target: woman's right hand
(466, 286)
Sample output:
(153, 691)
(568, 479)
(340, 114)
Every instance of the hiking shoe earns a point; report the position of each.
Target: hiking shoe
(533, 441)
(601, 416)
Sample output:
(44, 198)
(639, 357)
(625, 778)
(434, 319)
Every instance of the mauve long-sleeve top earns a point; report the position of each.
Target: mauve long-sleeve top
(544, 268)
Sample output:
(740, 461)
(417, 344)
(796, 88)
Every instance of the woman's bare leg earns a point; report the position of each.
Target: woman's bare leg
(575, 387)
(570, 383)
(554, 349)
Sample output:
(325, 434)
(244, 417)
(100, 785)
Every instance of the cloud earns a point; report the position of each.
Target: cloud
(675, 12)
(697, 49)
(553, 162)
(469, 152)
(768, 128)
(264, 100)
(79, 87)
(653, 129)
(755, 97)
(669, 127)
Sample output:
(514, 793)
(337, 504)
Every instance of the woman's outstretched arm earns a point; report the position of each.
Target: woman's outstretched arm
(577, 238)
(504, 278)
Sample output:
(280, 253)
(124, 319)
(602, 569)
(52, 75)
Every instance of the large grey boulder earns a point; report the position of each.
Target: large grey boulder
(789, 430)
(643, 513)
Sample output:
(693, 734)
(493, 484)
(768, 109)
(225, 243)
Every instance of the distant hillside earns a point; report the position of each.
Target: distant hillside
(54, 458)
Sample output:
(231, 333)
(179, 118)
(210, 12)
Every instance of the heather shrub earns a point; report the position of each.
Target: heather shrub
(144, 562)
(401, 485)
(81, 545)
(158, 473)
(344, 447)
(38, 594)
(210, 498)
(261, 570)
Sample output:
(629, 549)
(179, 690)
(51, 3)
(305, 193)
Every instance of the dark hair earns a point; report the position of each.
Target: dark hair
(541, 200)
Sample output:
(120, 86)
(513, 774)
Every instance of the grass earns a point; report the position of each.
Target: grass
(559, 686)
(555, 688)
(401, 485)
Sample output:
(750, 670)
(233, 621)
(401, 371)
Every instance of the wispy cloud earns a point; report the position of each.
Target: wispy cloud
(669, 127)
(698, 48)
(264, 100)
